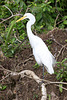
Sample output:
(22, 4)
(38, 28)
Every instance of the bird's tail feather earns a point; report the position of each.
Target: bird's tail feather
(50, 70)
(53, 61)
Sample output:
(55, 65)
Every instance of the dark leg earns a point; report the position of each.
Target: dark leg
(43, 71)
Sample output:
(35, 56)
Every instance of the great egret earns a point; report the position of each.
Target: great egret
(40, 51)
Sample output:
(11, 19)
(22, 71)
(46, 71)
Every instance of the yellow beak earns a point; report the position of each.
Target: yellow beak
(21, 19)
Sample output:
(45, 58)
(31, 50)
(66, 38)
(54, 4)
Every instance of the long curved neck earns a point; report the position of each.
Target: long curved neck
(29, 33)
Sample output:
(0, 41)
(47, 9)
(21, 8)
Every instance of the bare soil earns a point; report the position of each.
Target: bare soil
(28, 89)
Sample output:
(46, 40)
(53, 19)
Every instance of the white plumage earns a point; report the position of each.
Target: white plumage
(40, 51)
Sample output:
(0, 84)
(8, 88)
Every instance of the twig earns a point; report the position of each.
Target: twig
(4, 69)
(56, 20)
(8, 9)
(48, 82)
(20, 44)
(9, 18)
(46, 1)
(60, 22)
(52, 38)
(37, 79)
(61, 87)
(25, 61)
(17, 38)
(27, 9)
(52, 30)
(61, 51)
(55, 41)
(57, 9)
(5, 77)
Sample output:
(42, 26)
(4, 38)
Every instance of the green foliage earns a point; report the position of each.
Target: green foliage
(60, 88)
(61, 73)
(49, 41)
(9, 31)
(49, 44)
(2, 87)
(49, 96)
(45, 14)
(35, 96)
(36, 66)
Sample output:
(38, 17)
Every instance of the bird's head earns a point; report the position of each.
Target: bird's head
(29, 16)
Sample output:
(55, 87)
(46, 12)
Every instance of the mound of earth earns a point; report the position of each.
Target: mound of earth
(28, 89)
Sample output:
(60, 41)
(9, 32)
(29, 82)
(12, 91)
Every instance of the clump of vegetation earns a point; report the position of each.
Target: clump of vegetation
(61, 73)
(36, 66)
(48, 15)
(2, 87)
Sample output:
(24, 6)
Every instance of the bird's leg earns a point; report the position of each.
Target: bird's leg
(43, 71)
(43, 76)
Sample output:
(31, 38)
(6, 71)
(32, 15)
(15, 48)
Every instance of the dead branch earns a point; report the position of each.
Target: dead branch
(52, 30)
(1, 55)
(31, 74)
(12, 15)
(61, 51)
(60, 21)
(9, 18)
(4, 69)
(52, 38)
(56, 20)
(47, 81)
(36, 78)
(25, 61)
(61, 87)
(17, 38)
(27, 9)
(8, 9)
(63, 47)
(5, 77)
(55, 41)
(46, 1)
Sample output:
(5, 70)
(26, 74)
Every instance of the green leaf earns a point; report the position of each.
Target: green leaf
(66, 40)
(50, 27)
(36, 66)
(10, 29)
(49, 2)
(4, 87)
(58, 76)
(57, 1)
(64, 60)
(60, 88)
(65, 17)
(65, 22)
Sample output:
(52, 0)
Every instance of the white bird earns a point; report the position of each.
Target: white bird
(40, 51)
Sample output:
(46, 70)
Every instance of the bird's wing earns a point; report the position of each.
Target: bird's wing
(41, 50)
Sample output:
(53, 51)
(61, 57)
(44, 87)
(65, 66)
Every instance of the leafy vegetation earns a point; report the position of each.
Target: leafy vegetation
(48, 15)
(61, 75)
(2, 87)
(36, 66)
